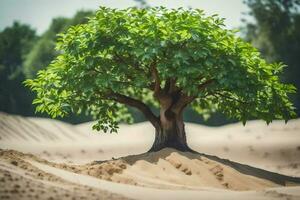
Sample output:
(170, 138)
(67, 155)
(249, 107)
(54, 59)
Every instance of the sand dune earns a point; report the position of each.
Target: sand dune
(275, 147)
(79, 163)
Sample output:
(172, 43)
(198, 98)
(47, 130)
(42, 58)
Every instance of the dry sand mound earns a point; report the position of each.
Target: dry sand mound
(171, 169)
(275, 147)
(51, 155)
(167, 169)
(21, 180)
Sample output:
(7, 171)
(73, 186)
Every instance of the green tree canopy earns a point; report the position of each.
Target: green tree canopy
(166, 58)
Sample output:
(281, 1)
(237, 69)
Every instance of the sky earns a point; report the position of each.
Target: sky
(39, 13)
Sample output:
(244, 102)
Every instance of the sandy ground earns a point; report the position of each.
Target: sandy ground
(48, 159)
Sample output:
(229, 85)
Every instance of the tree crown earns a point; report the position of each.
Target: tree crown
(137, 56)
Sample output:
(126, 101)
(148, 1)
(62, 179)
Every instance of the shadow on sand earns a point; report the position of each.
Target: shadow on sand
(153, 157)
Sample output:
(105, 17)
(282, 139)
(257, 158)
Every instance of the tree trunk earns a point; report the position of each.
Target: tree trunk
(170, 132)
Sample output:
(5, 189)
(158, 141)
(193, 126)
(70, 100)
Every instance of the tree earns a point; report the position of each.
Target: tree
(15, 41)
(43, 51)
(22, 54)
(166, 58)
(276, 33)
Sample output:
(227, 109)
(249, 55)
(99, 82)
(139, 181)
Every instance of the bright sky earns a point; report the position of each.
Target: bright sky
(39, 13)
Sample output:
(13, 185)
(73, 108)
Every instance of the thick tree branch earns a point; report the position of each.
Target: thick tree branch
(155, 76)
(183, 101)
(167, 85)
(205, 84)
(186, 99)
(173, 87)
(137, 104)
(170, 86)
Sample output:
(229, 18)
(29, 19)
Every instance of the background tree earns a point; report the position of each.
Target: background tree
(15, 41)
(276, 33)
(43, 51)
(166, 58)
(22, 54)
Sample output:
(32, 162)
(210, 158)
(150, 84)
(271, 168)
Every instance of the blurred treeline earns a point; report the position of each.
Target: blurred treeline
(275, 31)
(22, 54)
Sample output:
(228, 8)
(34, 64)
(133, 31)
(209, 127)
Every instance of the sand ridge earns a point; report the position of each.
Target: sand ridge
(74, 162)
(19, 179)
(167, 169)
(275, 147)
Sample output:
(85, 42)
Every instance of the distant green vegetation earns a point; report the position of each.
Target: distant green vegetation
(43, 50)
(22, 54)
(276, 33)
(15, 42)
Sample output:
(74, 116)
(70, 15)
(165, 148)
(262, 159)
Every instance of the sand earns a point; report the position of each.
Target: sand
(49, 159)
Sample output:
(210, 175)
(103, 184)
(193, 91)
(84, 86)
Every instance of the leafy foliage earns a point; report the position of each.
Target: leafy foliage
(283, 18)
(43, 51)
(114, 54)
(22, 54)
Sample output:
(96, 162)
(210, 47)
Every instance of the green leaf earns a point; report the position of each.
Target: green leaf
(122, 52)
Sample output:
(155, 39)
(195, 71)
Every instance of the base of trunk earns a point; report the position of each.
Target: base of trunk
(170, 139)
(178, 146)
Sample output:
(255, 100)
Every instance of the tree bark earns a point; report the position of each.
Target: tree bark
(170, 133)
